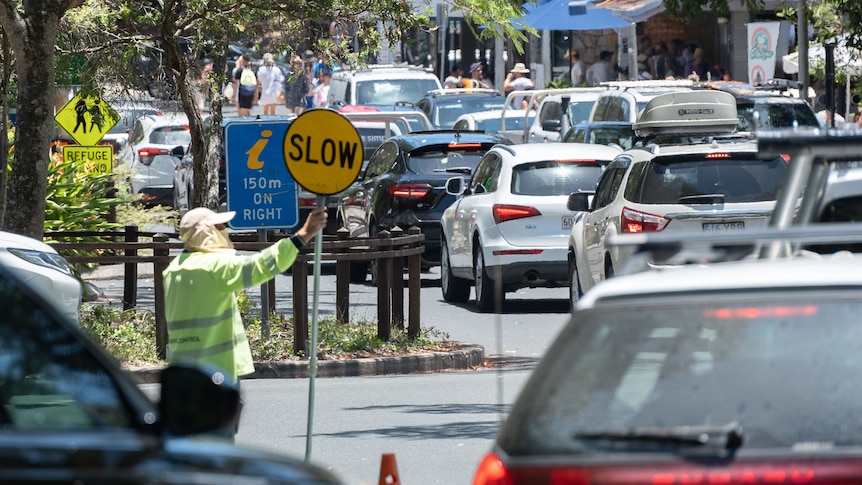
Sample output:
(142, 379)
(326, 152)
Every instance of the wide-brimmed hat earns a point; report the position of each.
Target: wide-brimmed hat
(203, 216)
(520, 67)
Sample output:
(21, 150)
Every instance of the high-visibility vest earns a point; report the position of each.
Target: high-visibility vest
(203, 319)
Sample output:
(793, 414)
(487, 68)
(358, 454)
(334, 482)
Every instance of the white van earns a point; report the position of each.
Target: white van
(381, 86)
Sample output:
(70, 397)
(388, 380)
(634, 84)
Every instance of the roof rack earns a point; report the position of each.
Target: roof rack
(679, 248)
(649, 83)
(688, 113)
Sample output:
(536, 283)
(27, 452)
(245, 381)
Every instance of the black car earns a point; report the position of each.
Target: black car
(444, 106)
(71, 414)
(772, 105)
(404, 186)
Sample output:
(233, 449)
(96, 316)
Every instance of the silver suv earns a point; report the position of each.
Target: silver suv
(380, 86)
(624, 100)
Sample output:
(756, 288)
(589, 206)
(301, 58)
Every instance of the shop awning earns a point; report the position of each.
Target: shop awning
(633, 10)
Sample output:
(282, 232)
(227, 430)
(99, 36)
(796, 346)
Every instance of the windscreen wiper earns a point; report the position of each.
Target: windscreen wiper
(464, 170)
(728, 436)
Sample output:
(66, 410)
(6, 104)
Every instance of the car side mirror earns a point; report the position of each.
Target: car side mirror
(551, 125)
(579, 201)
(197, 399)
(455, 186)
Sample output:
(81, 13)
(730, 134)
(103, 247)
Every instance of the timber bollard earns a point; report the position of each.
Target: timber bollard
(397, 284)
(130, 271)
(414, 288)
(384, 293)
(299, 271)
(342, 283)
(162, 258)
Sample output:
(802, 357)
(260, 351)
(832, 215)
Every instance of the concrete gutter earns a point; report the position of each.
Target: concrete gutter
(469, 356)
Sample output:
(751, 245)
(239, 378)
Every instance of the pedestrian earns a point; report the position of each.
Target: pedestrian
(603, 70)
(517, 80)
(695, 68)
(475, 79)
(202, 90)
(203, 320)
(578, 72)
(271, 84)
(245, 86)
(296, 87)
(453, 80)
(321, 91)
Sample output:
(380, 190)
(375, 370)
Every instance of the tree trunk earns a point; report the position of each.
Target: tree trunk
(34, 52)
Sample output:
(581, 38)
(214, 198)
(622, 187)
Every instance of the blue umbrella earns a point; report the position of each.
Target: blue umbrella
(569, 15)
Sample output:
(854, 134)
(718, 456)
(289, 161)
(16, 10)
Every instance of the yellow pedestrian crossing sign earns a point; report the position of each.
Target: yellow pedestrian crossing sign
(86, 118)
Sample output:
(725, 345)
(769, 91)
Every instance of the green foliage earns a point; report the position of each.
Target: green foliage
(130, 336)
(78, 199)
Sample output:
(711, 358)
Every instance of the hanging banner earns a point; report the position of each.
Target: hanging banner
(762, 51)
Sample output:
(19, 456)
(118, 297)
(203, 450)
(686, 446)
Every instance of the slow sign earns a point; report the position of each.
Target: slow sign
(323, 151)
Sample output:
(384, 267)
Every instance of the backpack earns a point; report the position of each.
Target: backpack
(247, 78)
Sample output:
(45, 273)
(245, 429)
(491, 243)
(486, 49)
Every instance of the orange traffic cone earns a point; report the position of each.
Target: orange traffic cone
(388, 470)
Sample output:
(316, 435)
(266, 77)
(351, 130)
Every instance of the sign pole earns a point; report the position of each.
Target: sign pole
(312, 348)
(323, 152)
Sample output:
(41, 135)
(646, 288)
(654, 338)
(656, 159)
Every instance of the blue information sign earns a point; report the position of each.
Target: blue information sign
(259, 186)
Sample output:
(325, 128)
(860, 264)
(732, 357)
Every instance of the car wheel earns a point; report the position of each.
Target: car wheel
(455, 289)
(574, 284)
(609, 267)
(484, 286)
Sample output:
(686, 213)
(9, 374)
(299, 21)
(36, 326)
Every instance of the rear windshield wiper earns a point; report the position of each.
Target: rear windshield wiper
(464, 170)
(728, 436)
(702, 199)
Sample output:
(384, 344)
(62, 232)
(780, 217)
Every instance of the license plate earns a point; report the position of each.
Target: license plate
(723, 226)
(568, 222)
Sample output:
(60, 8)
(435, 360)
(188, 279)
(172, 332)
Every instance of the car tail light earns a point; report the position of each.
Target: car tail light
(636, 221)
(713, 156)
(146, 155)
(409, 191)
(504, 212)
(492, 471)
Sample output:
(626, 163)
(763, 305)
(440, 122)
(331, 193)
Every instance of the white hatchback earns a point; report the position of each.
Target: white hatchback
(510, 227)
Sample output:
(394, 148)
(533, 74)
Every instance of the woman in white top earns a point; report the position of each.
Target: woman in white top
(271, 84)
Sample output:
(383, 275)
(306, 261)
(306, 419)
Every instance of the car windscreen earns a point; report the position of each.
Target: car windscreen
(782, 366)
(171, 135)
(128, 117)
(442, 161)
(764, 115)
(391, 91)
(556, 177)
(671, 180)
(448, 110)
(579, 111)
(623, 136)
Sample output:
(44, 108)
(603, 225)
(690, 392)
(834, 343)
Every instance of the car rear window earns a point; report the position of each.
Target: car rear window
(171, 135)
(448, 110)
(437, 161)
(658, 365)
(765, 115)
(737, 180)
(391, 91)
(555, 177)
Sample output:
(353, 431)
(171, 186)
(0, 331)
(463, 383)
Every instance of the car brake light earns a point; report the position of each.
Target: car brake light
(409, 191)
(785, 157)
(146, 155)
(636, 221)
(577, 160)
(717, 155)
(465, 146)
(503, 212)
(761, 312)
(492, 471)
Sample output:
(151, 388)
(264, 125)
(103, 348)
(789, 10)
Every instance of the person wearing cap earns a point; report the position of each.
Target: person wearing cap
(475, 80)
(271, 84)
(603, 70)
(517, 80)
(203, 319)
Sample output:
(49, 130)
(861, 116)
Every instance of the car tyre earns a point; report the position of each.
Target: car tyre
(574, 284)
(485, 291)
(455, 289)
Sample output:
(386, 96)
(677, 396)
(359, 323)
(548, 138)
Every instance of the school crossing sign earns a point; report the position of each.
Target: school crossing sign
(323, 151)
(87, 118)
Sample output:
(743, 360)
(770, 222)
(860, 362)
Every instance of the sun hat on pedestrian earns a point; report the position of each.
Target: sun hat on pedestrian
(475, 66)
(268, 59)
(520, 67)
(198, 229)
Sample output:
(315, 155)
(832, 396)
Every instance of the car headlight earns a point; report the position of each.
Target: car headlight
(48, 260)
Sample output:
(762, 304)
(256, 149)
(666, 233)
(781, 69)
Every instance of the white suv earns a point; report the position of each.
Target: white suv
(690, 174)
(151, 154)
(380, 86)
